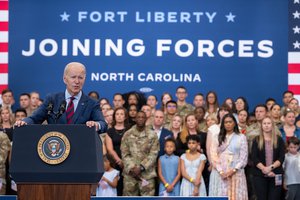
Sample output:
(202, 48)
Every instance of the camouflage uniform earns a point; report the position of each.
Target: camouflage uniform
(139, 148)
(185, 110)
(202, 126)
(5, 148)
(167, 122)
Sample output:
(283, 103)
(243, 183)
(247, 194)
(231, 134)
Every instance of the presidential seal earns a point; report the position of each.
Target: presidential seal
(53, 148)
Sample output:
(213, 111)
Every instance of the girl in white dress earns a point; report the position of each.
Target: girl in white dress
(107, 186)
(192, 165)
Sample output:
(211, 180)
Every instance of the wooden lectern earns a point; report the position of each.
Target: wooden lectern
(56, 161)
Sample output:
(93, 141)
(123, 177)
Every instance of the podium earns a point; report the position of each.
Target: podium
(56, 161)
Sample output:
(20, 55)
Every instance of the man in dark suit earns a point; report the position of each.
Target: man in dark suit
(161, 132)
(80, 108)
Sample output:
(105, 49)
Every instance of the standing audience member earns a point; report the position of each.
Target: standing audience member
(118, 100)
(229, 157)
(20, 114)
(164, 99)
(147, 110)
(190, 127)
(192, 165)
(275, 114)
(198, 100)
(132, 111)
(171, 108)
(231, 104)
(34, 101)
(241, 104)
(223, 110)
(161, 132)
(291, 167)
(212, 104)
(109, 181)
(213, 131)
(294, 106)
(251, 119)
(267, 154)
(105, 107)
(108, 116)
(152, 102)
(176, 125)
(169, 170)
(25, 102)
(113, 141)
(102, 102)
(269, 103)
(6, 125)
(139, 148)
(5, 148)
(7, 99)
(183, 108)
(94, 95)
(242, 121)
(289, 129)
(286, 98)
(7, 121)
(200, 113)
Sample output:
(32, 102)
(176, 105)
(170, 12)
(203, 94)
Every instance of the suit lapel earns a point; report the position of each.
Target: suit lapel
(80, 108)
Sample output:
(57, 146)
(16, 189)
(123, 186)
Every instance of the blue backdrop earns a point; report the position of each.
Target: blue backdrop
(236, 48)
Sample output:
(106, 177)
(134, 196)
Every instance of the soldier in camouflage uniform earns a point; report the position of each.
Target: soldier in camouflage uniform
(183, 108)
(171, 108)
(139, 149)
(5, 148)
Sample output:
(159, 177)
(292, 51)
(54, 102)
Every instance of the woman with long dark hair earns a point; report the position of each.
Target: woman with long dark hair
(229, 155)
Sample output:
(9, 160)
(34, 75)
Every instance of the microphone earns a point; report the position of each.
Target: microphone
(50, 108)
(61, 110)
(62, 107)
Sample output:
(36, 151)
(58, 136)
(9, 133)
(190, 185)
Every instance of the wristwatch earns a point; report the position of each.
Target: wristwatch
(142, 168)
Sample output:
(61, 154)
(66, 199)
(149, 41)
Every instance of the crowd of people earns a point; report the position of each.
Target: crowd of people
(206, 148)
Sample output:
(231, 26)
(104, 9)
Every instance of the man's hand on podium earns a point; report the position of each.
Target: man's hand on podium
(20, 123)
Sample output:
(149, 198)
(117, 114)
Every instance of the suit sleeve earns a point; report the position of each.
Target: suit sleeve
(40, 115)
(98, 117)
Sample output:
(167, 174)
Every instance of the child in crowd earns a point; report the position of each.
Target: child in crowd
(291, 167)
(169, 171)
(192, 165)
(107, 186)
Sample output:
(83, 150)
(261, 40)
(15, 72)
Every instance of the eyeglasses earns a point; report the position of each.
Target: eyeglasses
(171, 106)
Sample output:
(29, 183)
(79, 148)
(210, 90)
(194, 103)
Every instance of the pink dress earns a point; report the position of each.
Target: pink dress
(232, 154)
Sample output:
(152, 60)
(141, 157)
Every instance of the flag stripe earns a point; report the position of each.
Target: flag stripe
(3, 15)
(3, 47)
(294, 79)
(294, 68)
(3, 26)
(295, 88)
(3, 78)
(3, 68)
(3, 5)
(294, 57)
(3, 87)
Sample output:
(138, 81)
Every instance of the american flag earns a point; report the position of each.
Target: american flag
(3, 44)
(294, 48)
